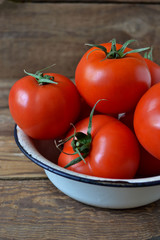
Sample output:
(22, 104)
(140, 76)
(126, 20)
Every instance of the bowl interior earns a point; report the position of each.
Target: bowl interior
(47, 149)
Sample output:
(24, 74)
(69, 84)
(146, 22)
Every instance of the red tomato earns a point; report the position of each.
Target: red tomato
(154, 71)
(121, 81)
(147, 120)
(148, 165)
(114, 149)
(44, 111)
(98, 121)
(153, 68)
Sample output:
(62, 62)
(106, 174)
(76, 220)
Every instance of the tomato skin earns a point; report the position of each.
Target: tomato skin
(154, 71)
(98, 121)
(44, 111)
(114, 152)
(148, 165)
(147, 120)
(121, 81)
(116, 149)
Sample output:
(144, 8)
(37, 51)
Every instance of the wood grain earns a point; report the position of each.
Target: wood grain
(5, 86)
(35, 209)
(34, 36)
(13, 164)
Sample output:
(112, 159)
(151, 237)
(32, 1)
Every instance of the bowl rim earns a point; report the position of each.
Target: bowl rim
(127, 183)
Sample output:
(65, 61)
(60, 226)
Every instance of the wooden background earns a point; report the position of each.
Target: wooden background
(35, 34)
(38, 34)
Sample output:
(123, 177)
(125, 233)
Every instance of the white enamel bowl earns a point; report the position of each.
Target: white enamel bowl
(99, 192)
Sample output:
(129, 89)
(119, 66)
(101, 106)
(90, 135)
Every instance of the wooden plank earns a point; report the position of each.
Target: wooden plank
(6, 122)
(34, 35)
(35, 209)
(13, 164)
(5, 86)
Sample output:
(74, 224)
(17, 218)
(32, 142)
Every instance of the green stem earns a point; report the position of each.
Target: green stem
(91, 116)
(74, 161)
(114, 53)
(41, 78)
(40, 71)
(81, 142)
(149, 55)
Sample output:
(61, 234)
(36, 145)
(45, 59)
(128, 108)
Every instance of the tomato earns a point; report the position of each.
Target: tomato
(147, 120)
(98, 121)
(122, 81)
(44, 110)
(113, 153)
(154, 71)
(148, 164)
(153, 67)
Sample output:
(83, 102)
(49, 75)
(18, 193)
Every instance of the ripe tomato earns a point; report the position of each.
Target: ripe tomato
(148, 164)
(120, 80)
(114, 151)
(97, 122)
(153, 68)
(44, 110)
(154, 71)
(147, 120)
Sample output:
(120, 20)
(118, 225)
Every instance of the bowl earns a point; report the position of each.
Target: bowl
(94, 191)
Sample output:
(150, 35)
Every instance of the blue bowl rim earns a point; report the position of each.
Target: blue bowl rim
(108, 183)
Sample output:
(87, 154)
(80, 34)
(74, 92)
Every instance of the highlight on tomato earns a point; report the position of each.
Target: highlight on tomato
(114, 72)
(44, 104)
(100, 146)
(153, 67)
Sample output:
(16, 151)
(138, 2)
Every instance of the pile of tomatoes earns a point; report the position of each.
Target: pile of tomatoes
(114, 104)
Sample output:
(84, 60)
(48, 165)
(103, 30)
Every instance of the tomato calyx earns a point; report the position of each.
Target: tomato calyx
(41, 78)
(149, 55)
(81, 145)
(81, 142)
(114, 53)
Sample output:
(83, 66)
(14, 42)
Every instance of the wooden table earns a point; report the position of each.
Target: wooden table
(37, 34)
